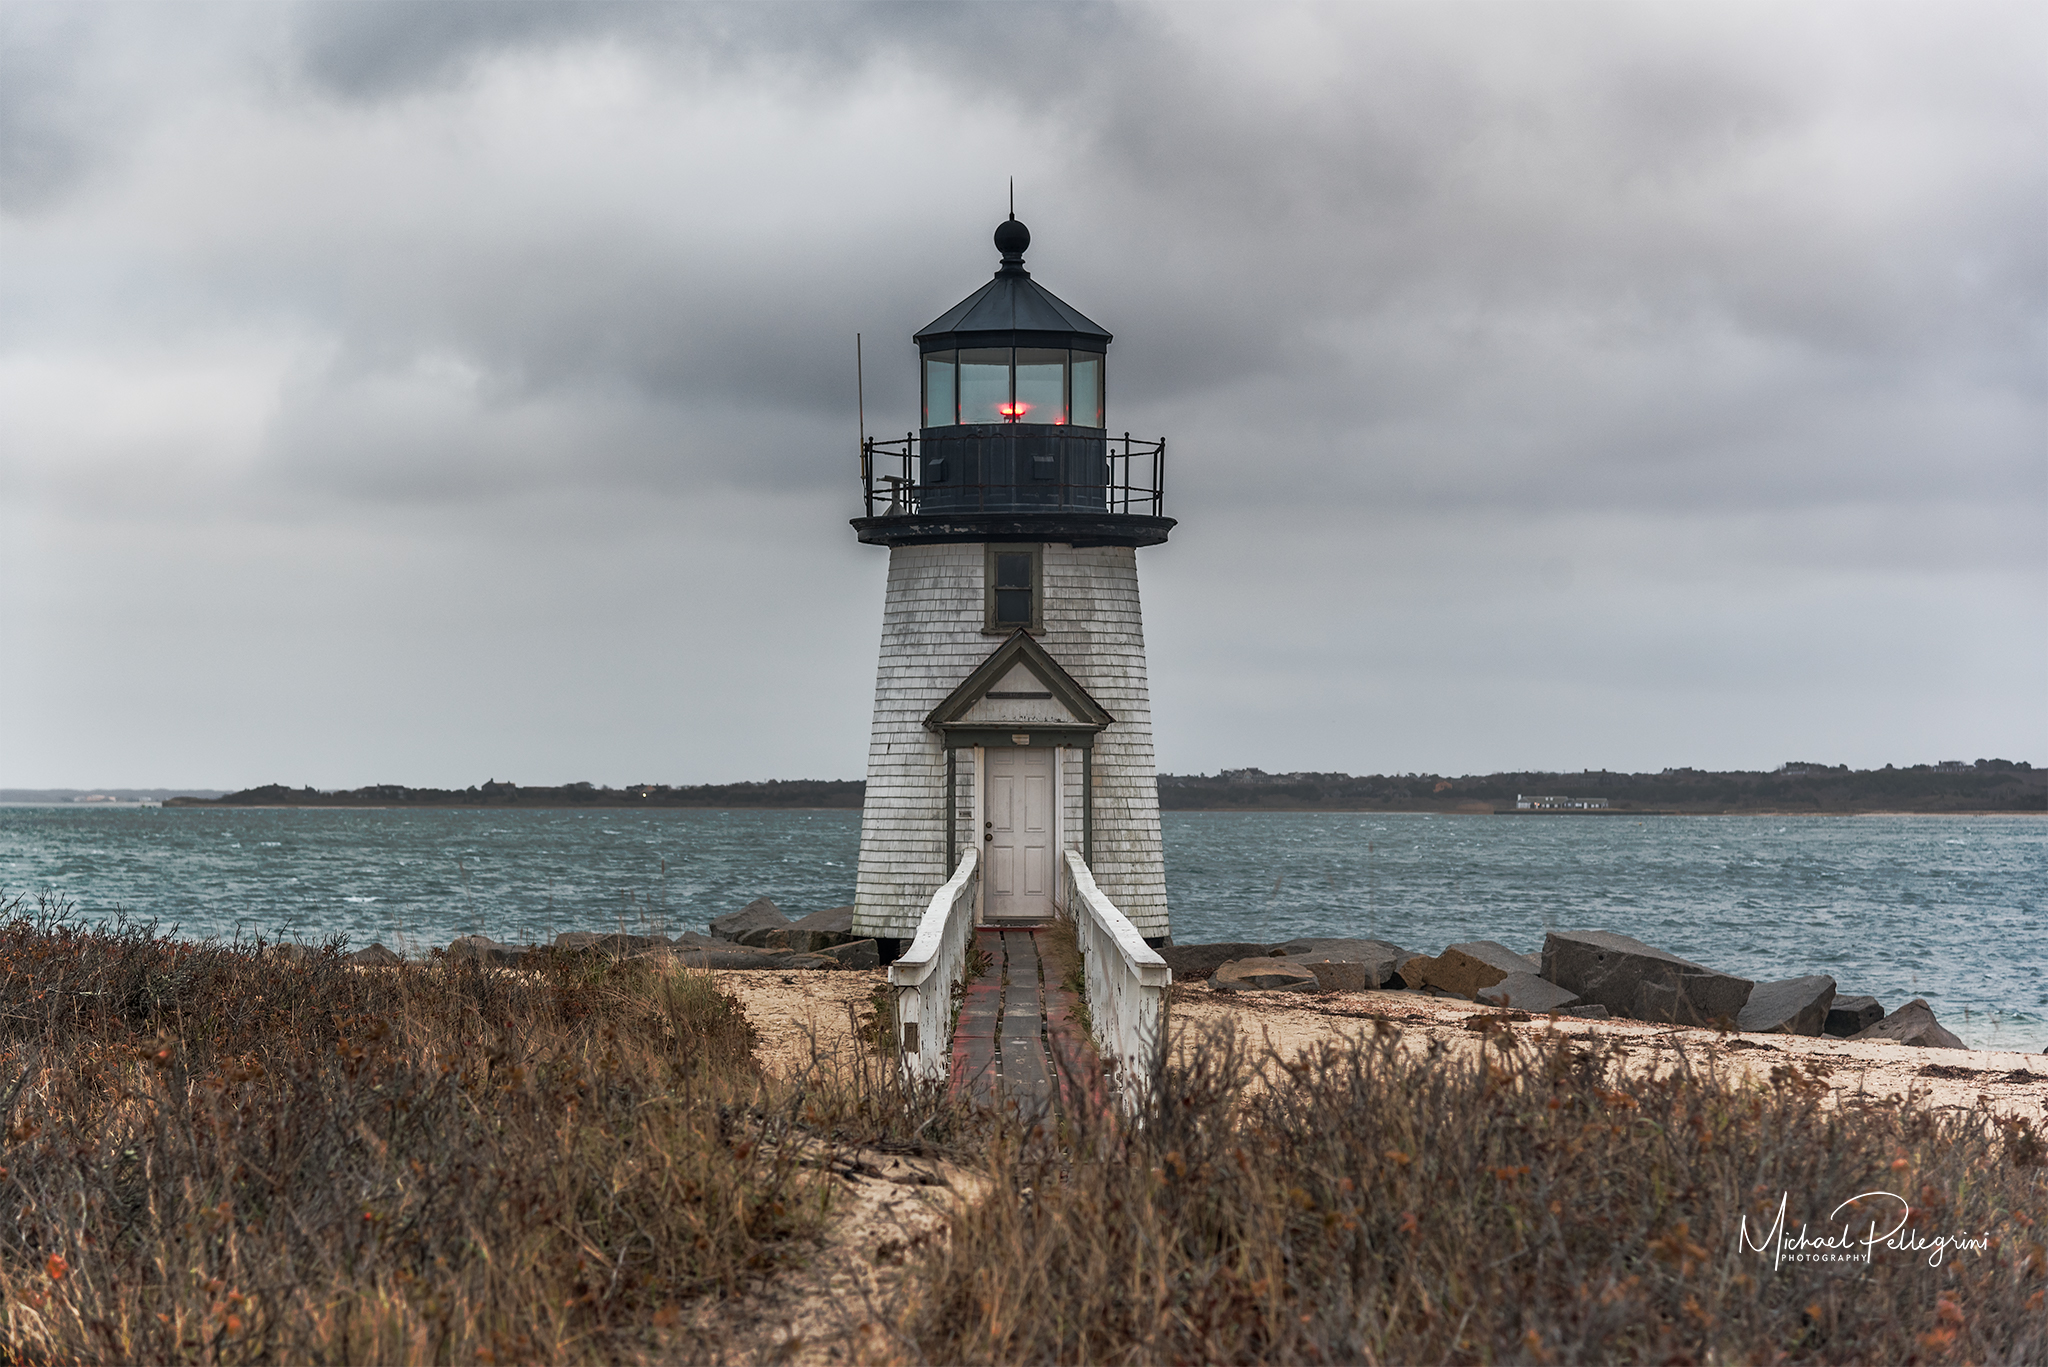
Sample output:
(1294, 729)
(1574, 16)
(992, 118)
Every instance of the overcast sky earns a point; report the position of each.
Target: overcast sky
(430, 393)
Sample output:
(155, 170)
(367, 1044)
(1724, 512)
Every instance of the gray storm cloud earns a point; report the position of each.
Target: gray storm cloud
(415, 392)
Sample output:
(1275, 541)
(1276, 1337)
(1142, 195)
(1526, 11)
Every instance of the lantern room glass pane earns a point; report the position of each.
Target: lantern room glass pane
(1087, 372)
(984, 384)
(939, 410)
(1041, 385)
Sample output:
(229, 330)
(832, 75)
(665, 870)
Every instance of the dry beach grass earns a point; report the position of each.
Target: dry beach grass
(229, 1154)
(221, 1154)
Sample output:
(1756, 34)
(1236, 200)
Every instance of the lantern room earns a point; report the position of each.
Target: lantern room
(1013, 383)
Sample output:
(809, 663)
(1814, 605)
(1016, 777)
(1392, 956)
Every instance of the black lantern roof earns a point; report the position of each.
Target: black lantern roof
(1012, 309)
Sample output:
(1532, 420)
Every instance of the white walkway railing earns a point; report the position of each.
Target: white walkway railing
(1127, 982)
(924, 976)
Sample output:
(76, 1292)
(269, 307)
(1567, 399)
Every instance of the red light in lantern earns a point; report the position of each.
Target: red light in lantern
(1013, 411)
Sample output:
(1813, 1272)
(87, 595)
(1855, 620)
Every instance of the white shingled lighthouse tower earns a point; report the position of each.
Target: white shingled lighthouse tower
(1011, 707)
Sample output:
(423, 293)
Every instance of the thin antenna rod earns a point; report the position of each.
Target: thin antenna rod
(1013, 199)
(860, 392)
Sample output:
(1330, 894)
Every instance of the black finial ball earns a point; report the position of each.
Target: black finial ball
(1012, 237)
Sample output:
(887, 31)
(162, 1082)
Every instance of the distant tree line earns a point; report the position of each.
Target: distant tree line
(1990, 785)
(802, 792)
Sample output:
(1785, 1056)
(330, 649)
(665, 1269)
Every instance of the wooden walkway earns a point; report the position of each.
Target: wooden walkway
(1019, 1040)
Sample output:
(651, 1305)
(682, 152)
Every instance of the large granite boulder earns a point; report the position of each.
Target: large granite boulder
(1364, 963)
(609, 942)
(1847, 1015)
(1263, 975)
(1528, 992)
(1190, 963)
(1339, 975)
(821, 930)
(375, 955)
(759, 924)
(1401, 976)
(855, 954)
(1795, 1006)
(1464, 968)
(1914, 1024)
(1631, 978)
(739, 956)
(486, 950)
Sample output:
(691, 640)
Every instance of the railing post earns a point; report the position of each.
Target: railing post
(867, 472)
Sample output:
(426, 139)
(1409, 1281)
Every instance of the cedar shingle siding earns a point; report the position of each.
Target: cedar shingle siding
(932, 638)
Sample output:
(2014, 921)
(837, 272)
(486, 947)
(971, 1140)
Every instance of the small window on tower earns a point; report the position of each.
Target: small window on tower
(1013, 589)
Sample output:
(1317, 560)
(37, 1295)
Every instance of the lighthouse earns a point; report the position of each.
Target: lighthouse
(1011, 707)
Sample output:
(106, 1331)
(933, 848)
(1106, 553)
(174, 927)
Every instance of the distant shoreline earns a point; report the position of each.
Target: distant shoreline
(1953, 788)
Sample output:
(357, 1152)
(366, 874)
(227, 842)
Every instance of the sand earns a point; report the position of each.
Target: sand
(1862, 1072)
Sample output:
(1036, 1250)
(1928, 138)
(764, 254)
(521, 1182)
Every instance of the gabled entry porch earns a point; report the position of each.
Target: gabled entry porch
(1022, 726)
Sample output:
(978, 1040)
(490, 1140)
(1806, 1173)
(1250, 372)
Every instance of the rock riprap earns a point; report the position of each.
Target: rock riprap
(615, 943)
(1631, 978)
(1263, 975)
(1344, 965)
(759, 924)
(1914, 1024)
(1463, 969)
(823, 930)
(1795, 1006)
(1850, 1014)
(1527, 992)
(486, 950)
(1191, 963)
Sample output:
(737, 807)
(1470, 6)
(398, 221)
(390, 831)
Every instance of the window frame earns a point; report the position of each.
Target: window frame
(991, 549)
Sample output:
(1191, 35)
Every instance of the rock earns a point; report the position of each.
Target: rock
(1795, 1006)
(486, 950)
(1190, 963)
(374, 955)
(1535, 962)
(751, 924)
(1263, 975)
(1850, 1014)
(726, 956)
(1631, 978)
(1914, 1024)
(1463, 969)
(795, 960)
(821, 930)
(1527, 992)
(1400, 978)
(1339, 975)
(739, 956)
(1376, 957)
(856, 954)
(1590, 1013)
(610, 942)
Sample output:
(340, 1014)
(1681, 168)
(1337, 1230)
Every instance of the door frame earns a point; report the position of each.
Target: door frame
(1058, 848)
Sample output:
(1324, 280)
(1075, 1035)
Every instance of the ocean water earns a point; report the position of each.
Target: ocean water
(1948, 908)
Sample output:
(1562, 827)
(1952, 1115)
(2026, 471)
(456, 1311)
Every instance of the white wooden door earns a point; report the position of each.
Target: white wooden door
(1017, 835)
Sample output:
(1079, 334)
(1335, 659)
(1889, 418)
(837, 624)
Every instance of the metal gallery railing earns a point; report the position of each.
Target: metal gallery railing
(1132, 481)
